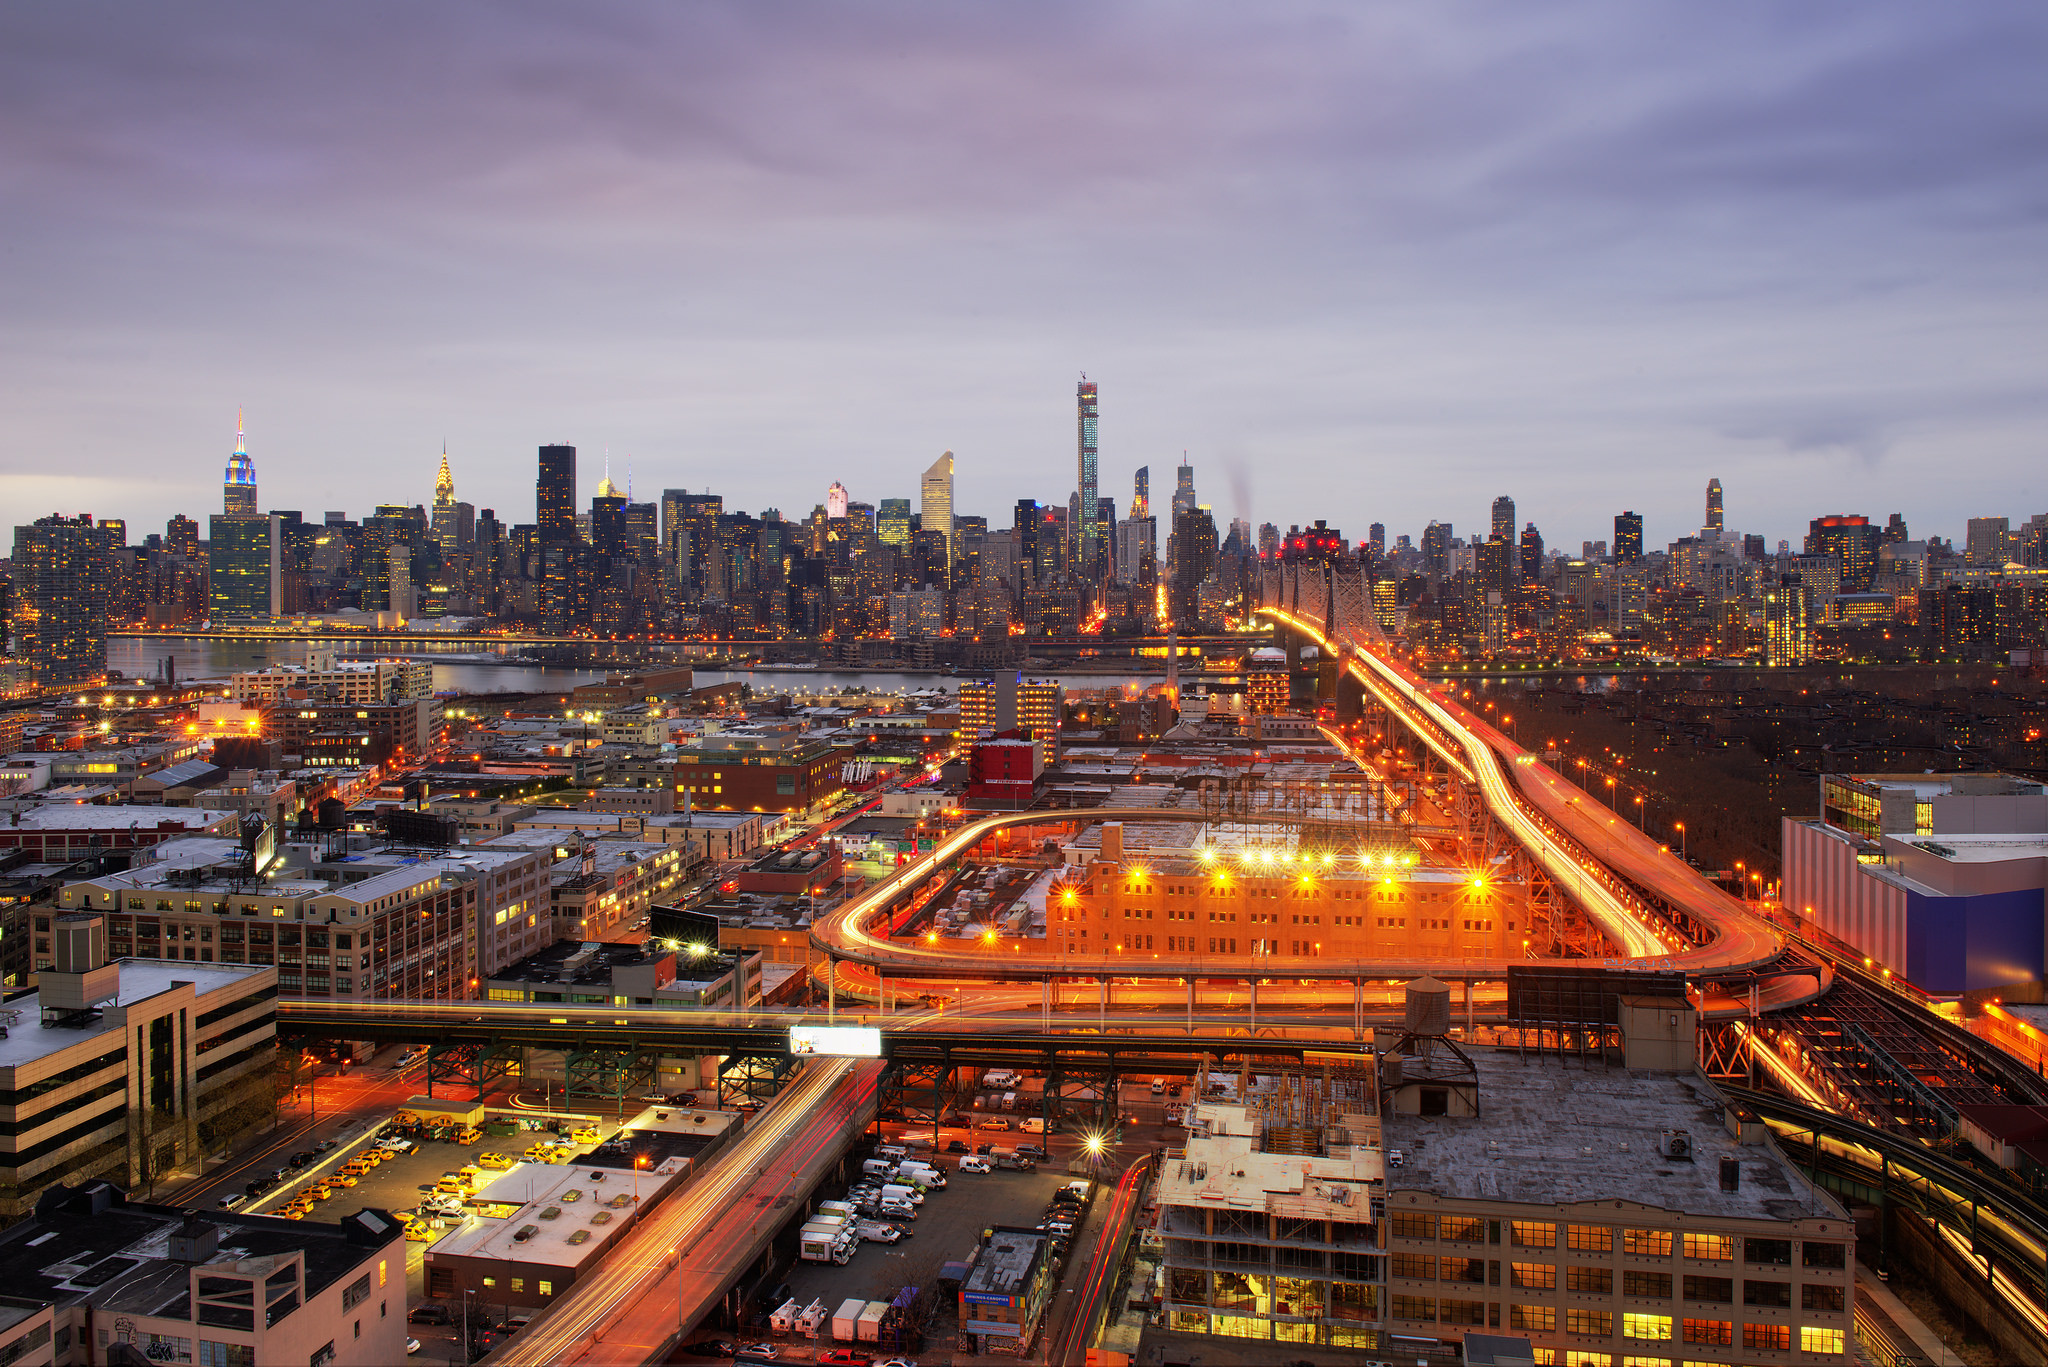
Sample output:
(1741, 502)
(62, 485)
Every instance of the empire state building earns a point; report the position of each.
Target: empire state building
(238, 485)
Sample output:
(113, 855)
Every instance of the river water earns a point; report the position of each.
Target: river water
(198, 659)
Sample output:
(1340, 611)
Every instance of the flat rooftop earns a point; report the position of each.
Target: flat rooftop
(28, 1041)
(118, 1260)
(71, 816)
(1004, 1268)
(572, 1211)
(1978, 849)
(1548, 1134)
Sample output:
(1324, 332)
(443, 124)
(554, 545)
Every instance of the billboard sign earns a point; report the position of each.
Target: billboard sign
(831, 1042)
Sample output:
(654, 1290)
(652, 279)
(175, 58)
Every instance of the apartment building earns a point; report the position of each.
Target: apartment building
(115, 1280)
(346, 681)
(123, 1069)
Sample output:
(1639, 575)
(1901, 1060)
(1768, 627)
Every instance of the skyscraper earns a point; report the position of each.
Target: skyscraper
(1852, 542)
(835, 500)
(62, 589)
(1141, 495)
(1184, 488)
(936, 503)
(892, 523)
(1504, 518)
(1714, 505)
(554, 496)
(1532, 554)
(1628, 538)
(1436, 549)
(238, 485)
(447, 531)
(1086, 529)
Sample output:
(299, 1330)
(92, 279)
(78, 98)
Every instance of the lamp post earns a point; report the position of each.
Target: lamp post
(1681, 842)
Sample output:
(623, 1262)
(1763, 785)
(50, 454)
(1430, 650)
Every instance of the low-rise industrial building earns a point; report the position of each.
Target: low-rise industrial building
(63, 831)
(1612, 1213)
(540, 1226)
(1939, 878)
(1003, 1299)
(346, 916)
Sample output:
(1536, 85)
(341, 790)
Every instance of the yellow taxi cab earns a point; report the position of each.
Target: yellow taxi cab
(585, 1135)
(405, 1118)
(323, 1192)
(559, 1155)
(468, 1134)
(418, 1233)
(494, 1161)
(293, 1213)
(342, 1179)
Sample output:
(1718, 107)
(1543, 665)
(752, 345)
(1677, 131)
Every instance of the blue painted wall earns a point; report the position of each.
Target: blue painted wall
(1961, 944)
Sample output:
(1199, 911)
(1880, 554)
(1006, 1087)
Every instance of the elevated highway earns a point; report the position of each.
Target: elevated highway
(1578, 840)
(957, 1038)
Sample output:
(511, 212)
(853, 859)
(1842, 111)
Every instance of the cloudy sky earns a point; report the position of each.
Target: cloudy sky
(1363, 263)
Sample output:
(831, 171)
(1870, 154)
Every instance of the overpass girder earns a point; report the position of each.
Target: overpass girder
(753, 1077)
(609, 1072)
(469, 1065)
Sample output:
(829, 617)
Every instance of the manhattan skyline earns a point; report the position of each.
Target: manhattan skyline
(1358, 260)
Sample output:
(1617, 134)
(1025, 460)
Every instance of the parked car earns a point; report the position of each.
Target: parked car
(1032, 1151)
(233, 1199)
(994, 1122)
(844, 1357)
(973, 1164)
(957, 1146)
(430, 1312)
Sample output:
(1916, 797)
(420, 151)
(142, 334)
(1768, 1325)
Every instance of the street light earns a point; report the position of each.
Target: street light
(1681, 842)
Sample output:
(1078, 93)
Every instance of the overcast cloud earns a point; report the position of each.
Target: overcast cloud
(1364, 263)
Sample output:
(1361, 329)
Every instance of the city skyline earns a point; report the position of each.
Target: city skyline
(1428, 258)
(565, 497)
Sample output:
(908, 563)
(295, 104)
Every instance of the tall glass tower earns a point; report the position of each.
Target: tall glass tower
(1086, 530)
(554, 496)
(935, 496)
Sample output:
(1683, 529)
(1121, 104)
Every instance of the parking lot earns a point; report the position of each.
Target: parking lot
(398, 1185)
(948, 1227)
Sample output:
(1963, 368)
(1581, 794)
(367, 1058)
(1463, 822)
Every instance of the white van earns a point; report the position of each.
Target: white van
(1032, 1124)
(897, 1191)
(971, 1163)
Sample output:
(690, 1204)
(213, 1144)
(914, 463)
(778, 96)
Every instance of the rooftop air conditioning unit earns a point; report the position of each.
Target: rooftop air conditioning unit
(1675, 1144)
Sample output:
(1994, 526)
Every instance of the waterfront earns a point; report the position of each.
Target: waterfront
(203, 659)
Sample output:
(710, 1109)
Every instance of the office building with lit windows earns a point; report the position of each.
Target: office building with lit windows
(243, 569)
(1611, 1216)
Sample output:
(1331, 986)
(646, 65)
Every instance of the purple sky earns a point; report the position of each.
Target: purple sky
(1364, 263)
